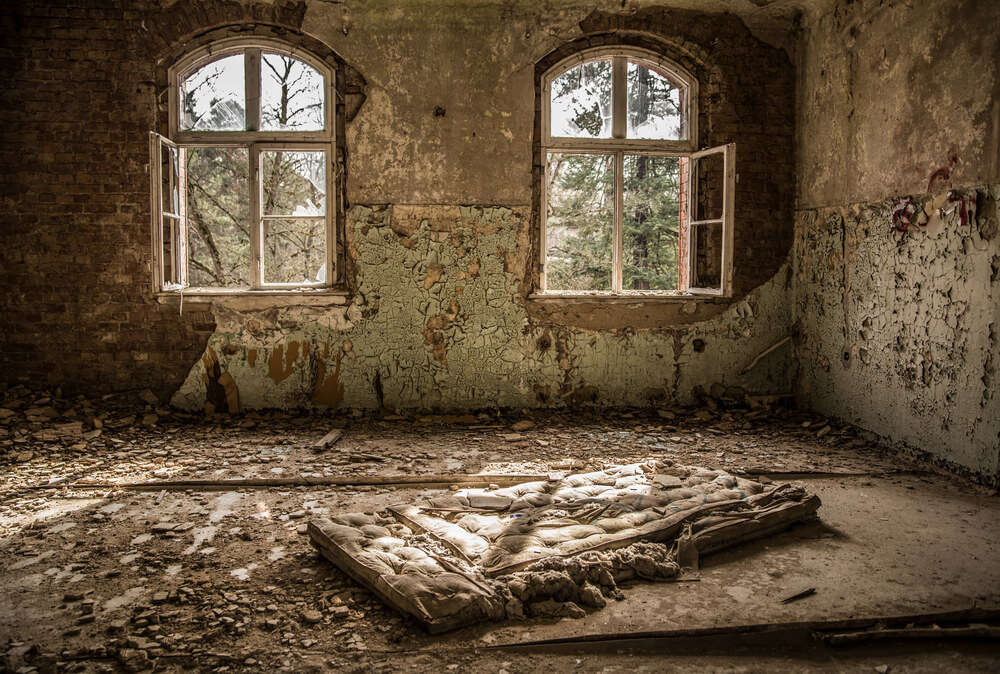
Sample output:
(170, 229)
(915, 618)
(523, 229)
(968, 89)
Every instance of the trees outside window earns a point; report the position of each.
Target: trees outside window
(242, 189)
(624, 196)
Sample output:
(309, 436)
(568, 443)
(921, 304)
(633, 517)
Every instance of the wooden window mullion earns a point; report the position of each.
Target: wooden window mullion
(619, 108)
(256, 213)
(251, 74)
(616, 253)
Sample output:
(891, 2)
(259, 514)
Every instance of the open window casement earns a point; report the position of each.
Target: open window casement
(630, 206)
(168, 222)
(708, 236)
(276, 210)
(243, 191)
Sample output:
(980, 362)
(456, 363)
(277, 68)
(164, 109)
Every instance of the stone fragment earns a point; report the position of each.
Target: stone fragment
(523, 425)
(149, 397)
(667, 481)
(133, 659)
(312, 616)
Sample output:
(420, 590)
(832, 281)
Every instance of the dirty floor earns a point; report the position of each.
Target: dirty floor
(109, 579)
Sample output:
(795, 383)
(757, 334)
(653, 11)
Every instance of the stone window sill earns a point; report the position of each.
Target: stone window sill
(627, 297)
(270, 297)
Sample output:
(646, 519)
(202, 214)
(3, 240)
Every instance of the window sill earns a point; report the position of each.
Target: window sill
(268, 297)
(627, 297)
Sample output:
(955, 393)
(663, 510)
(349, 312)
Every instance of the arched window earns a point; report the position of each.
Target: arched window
(243, 190)
(628, 205)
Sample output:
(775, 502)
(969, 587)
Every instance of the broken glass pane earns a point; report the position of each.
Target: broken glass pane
(294, 250)
(213, 97)
(218, 187)
(651, 219)
(579, 221)
(292, 95)
(293, 182)
(655, 105)
(580, 104)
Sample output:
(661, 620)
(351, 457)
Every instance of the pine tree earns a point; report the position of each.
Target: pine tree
(581, 187)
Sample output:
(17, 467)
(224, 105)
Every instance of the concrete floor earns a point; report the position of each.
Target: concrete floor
(89, 584)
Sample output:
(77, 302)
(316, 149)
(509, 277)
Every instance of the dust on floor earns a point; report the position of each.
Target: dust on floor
(100, 580)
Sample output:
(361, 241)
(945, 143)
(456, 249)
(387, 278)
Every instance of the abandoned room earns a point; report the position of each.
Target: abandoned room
(500, 335)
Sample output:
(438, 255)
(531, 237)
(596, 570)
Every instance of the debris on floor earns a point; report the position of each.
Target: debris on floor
(545, 548)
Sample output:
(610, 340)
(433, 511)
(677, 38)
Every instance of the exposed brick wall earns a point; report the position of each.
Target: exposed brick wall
(75, 110)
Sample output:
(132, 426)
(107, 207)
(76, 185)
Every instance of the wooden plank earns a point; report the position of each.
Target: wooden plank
(821, 628)
(328, 440)
(436, 480)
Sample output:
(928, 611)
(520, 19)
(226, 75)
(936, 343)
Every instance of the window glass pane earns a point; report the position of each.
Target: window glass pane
(581, 101)
(213, 98)
(169, 188)
(707, 256)
(710, 173)
(294, 250)
(218, 186)
(655, 105)
(651, 221)
(579, 221)
(291, 95)
(293, 182)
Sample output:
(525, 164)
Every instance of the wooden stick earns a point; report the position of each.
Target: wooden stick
(808, 592)
(252, 483)
(969, 632)
(328, 440)
(753, 363)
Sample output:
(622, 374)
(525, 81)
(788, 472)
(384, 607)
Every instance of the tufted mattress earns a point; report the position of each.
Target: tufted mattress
(440, 560)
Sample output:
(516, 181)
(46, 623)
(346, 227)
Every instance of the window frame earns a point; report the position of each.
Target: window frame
(254, 142)
(252, 49)
(619, 146)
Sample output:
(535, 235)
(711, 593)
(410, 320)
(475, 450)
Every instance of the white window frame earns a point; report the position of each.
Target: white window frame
(619, 145)
(255, 142)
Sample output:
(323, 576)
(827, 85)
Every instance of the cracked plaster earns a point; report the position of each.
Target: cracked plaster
(437, 322)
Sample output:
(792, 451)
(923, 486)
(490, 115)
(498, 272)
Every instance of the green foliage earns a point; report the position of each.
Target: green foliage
(580, 217)
(218, 217)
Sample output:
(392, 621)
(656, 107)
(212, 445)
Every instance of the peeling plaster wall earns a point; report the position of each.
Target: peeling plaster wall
(899, 329)
(439, 229)
(435, 325)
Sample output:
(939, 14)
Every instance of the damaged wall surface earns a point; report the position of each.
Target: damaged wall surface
(897, 288)
(439, 229)
(436, 324)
